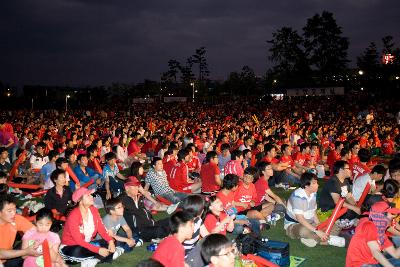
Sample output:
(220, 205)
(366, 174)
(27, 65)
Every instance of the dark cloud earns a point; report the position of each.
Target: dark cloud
(81, 42)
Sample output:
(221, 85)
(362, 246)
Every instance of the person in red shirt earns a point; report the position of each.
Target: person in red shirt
(227, 193)
(387, 146)
(370, 239)
(216, 220)
(170, 252)
(334, 155)
(194, 164)
(179, 176)
(149, 148)
(292, 173)
(265, 197)
(234, 166)
(300, 158)
(170, 159)
(209, 174)
(354, 148)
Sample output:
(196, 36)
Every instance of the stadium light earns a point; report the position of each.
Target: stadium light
(66, 102)
(397, 77)
(192, 84)
(360, 72)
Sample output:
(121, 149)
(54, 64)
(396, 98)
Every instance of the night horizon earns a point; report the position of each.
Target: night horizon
(79, 43)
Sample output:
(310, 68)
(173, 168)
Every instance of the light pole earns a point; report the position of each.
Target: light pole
(66, 102)
(192, 84)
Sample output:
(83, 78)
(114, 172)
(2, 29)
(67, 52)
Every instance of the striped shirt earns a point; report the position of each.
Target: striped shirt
(191, 243)
(300, 203)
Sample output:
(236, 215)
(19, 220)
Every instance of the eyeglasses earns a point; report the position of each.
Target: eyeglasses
(233, 251)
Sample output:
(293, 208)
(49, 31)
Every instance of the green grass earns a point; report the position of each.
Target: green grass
(317, 256)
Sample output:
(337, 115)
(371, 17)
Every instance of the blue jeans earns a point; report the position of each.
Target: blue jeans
(393, 261)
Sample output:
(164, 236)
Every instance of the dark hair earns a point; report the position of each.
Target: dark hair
(268, 147)
(306, 178)
(111, 203)
(41, 144)
(60, 161)
(304, 146)
(90, 150)
(344, 152)
(109, 156)
(141, 140)
(390, 188)
(52, 154)
(338, 143)
(212, 246)
(230, 181)
(253, 171)
(190, 146)
(394, 165)
(44, 213)
(339, 165)
(261, 165)
(379, 169)
(245, 152)
(3, 174)
(194, 204)
(284, 146)
(178, 219)
(135, 166)
(182, 154)
(225, 147)
(18, 152)
(154, 161)
(149, 263)
(69, 152)
(364, 155)
(6, 199)
(236, 154)
(80, 156)
(353, 144)
(54, 175)
(210, 155)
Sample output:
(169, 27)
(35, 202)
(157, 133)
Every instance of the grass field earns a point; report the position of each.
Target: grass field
(318, 256)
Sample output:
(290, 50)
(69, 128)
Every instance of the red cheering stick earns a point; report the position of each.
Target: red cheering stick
(259, 261)
(364, 195)
(88, 183)
(73, 175)
(16, 165)
(337, 212)
(46, 253)
(38, 193)
(97, 166)
(164, 200)
(23, 186)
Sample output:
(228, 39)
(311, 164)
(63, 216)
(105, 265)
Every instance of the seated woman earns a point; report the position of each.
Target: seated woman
(81, 227)
(59, 197)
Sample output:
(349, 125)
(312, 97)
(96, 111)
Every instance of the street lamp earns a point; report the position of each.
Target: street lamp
(66, 102)
(360, 72)
(397, 77)
(192, 84)
(275, 81)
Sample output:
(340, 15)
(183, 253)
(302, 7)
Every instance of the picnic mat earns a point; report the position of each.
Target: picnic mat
(296, 261)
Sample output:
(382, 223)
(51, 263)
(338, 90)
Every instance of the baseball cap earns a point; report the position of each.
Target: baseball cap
(383, 206)
(79, 193)
(132, 181)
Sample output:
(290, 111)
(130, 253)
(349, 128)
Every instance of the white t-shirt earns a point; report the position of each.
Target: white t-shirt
(359, 185)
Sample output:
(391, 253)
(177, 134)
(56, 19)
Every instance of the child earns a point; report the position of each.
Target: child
(44, 220)
(218, 251)
(170, 251)
(114, 220)
(216, 220)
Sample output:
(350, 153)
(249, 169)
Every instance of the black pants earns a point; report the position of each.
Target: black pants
(16, 262)
(160, 229)
(76, 254)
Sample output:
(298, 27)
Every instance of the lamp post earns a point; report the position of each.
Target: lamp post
(192, 84)
(66, 102)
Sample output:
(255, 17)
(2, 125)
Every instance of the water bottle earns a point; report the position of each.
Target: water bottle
(273, 219)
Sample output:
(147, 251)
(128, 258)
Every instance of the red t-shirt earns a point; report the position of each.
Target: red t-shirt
(132, 147)
(300, 158)
(179, 177)
(287, 159)
(211, 221)
(245, 195)
(387, 147)
(194, 164)
(227, 200)
(333, 156)
(207, 174)
(170, 252)
(358, 252)
(233, 167)
(261, 186)
(270, 160)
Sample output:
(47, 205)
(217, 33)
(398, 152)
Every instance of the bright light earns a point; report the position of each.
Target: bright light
(196, 91)
(397, 77)
(360, 72)
(362, 88)
(275, 81)
(8, 94)
(191, 84)
(68, 96)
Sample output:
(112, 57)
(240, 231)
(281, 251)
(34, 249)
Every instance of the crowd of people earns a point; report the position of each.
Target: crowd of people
(212, 169)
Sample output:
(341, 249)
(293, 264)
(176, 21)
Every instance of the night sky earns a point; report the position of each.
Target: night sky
(95, 42)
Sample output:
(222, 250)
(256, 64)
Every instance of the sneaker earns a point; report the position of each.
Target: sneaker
(337, 241)
(118, 252)
(156, 240)
(171, 209)
(89, 262)
(309, 242)
(280, 185)
(139, 243)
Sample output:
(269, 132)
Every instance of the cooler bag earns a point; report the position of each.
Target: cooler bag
(276, 252)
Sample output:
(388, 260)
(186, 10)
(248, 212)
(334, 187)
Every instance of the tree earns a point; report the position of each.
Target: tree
(325, 46)
(199, 58)
(187, 74)
(369, 60)
(248, 80)
(286, 51)
(174, 67)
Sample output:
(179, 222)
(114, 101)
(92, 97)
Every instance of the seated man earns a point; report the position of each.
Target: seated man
(218, 251)
(337, 187)
(10, 224)
(85, 174)
(179, 177)
(301, 217)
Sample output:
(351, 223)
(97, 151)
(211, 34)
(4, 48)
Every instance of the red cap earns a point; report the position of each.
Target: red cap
(132, 181)
(383, 206)
(79, 193)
